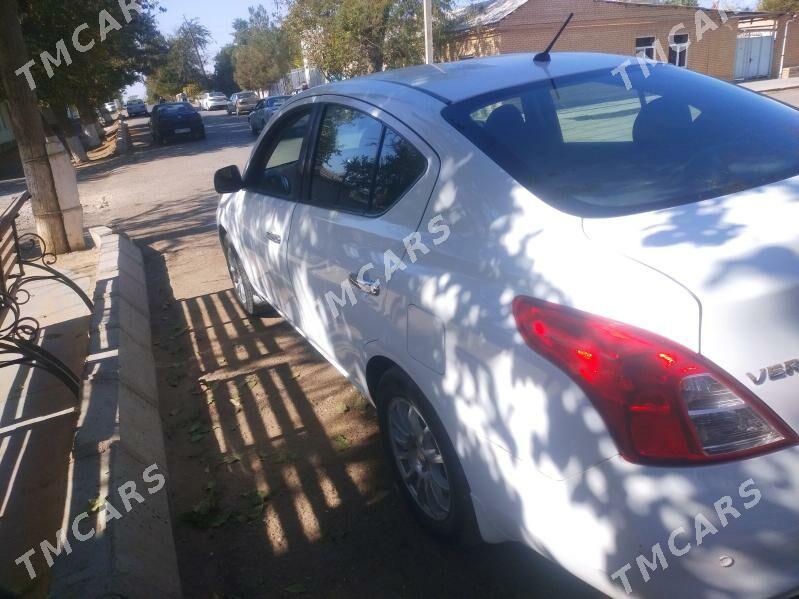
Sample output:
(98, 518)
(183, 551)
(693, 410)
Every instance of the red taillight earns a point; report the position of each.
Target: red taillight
(661, 402)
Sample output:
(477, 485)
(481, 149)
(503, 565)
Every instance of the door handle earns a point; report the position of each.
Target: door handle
(370, 287)
(274, 238)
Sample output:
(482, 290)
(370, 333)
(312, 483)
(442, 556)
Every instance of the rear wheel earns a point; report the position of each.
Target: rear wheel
(422, 459)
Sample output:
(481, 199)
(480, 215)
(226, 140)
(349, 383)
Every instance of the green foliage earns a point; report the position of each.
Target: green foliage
(224, 79)
(182, 62)
(263, 51)
(779, 5)
(345, 38)
(98, 74)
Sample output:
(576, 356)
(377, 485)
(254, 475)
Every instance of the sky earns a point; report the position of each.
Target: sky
(218, 16)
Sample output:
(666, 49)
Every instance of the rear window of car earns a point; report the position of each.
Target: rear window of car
(172, 109)
(597, 144)
(275, 102)
(247, 95)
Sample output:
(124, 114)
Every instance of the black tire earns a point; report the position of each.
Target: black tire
(458, 525)
(242, 288)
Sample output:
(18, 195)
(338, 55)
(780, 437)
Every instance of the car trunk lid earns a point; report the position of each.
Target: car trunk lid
(739, 255)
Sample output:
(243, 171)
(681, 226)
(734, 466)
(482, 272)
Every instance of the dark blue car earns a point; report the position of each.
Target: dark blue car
(176, 119)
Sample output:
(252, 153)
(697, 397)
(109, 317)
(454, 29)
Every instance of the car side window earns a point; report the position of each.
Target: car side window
(345, 159)
(399, 168)
(361, 165)
(277, 171)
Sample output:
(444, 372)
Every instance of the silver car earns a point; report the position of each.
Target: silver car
(264, 110)
(242, 102)
(213, 100)
(136, 108)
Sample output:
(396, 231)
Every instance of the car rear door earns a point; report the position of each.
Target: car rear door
(273, 184)
(369, 180)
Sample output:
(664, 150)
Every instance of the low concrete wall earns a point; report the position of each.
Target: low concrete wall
(123, 138)
(119, 443)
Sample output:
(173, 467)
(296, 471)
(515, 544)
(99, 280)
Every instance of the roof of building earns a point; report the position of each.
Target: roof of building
(491, 12)
(484, 13)
(456, 81)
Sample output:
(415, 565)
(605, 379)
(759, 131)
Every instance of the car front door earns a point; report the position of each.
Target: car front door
(272, 185)
(369, 180)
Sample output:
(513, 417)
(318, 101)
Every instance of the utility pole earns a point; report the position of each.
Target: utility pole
(428, 32)
(196, 49)
(26, 123)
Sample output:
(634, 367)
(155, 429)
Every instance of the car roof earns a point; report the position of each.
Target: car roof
(455, 81)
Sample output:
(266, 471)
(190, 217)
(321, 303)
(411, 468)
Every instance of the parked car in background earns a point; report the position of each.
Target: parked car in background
(136, 107)
(111, 107)
(572, 297)
(263, 111)
(242, 102)
(175, 119)
(213, 101)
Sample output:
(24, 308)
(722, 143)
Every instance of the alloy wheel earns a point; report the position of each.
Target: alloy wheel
(419, 459)
(234, 268)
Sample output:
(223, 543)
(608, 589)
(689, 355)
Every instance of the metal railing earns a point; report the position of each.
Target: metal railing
(24, 259)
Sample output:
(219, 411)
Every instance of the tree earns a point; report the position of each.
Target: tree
(26, 122)
(263, 51)
(344, 38)
(113, 60)
(224, 71)
(779, 5)
(182, 62)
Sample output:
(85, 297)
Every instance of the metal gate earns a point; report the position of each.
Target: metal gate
(753, 55)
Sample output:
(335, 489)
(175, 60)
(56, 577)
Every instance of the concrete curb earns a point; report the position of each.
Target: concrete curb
(123, 138)
(119, 437)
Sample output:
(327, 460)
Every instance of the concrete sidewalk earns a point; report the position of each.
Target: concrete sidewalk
(34, 456)
(770, 85)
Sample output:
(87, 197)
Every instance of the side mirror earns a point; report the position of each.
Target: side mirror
(228, 180)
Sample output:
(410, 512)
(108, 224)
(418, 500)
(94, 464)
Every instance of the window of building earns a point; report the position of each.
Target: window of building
(678, 50)
(645, 46)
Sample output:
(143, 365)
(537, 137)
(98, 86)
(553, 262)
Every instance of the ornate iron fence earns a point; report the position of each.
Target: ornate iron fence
(24, 259)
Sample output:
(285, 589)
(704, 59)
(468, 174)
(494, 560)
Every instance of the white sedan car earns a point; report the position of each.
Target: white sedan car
(572, 293)
(213, 101)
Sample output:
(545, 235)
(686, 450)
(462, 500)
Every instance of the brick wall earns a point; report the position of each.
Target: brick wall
(791, 47)
(612, 27)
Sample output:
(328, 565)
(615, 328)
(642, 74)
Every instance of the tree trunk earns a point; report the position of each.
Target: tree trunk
(67, 129)
(26, 123)
(88, 123)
